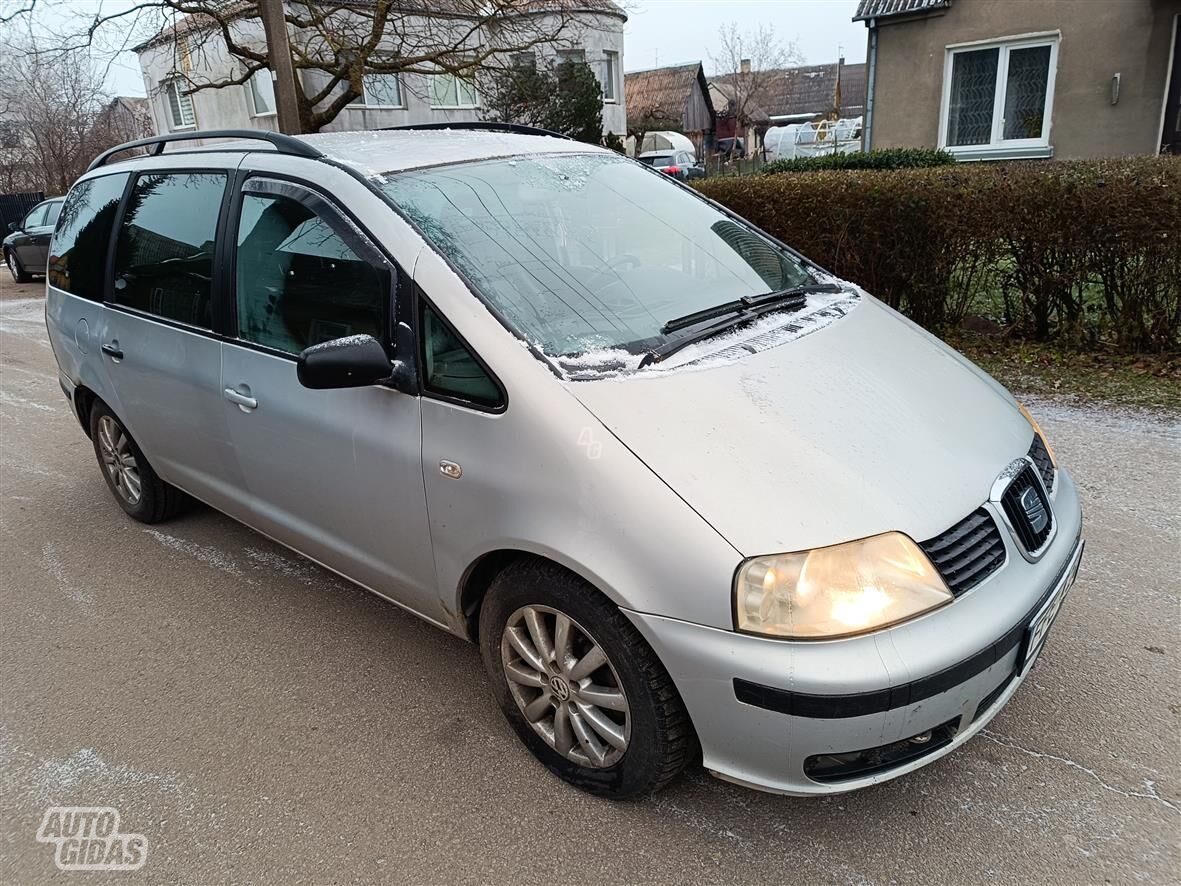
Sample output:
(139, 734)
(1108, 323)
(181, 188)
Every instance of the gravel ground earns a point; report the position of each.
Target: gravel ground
(259, 720)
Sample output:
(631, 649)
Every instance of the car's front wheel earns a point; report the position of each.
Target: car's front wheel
(580, 685)
(15, 268)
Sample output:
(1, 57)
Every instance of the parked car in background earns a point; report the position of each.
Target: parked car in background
(26, 248)
(681, 165)
(693, 497)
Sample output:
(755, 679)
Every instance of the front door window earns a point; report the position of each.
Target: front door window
(298, 282)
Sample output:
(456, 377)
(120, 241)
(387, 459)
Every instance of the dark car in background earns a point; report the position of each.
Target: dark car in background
(681, 165)
(26, 248)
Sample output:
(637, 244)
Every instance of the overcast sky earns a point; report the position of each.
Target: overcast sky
(659, 32)
(664, 32)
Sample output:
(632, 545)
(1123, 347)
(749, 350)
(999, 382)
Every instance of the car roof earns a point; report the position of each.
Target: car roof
(375, 153)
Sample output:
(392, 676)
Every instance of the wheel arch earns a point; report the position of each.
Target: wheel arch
(478, 577)
(84, 400)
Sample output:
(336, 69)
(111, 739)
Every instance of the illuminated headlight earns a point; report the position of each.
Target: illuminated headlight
(1037, 429)
(837, 591)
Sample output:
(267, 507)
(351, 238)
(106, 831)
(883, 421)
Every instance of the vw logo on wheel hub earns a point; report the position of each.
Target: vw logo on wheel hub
(560, 688)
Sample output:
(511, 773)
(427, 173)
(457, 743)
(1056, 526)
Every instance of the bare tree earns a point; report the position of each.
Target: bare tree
(48, 110)
(746, 65)
(335, 43)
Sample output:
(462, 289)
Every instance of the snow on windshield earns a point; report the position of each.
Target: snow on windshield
(586, 252)
(769, 331)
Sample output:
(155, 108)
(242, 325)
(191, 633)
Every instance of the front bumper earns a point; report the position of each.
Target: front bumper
(782, 716)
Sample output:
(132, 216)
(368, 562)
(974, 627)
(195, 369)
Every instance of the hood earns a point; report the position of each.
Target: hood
(867, 425)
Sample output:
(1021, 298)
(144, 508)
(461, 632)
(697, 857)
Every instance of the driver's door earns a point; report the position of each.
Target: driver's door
(335, 474)
(25, 243)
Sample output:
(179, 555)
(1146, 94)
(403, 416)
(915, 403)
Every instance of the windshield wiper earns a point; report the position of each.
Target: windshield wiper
(734, 313)
(741, 305)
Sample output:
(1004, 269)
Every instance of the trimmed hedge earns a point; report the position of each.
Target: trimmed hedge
(1080, 252)
(885, 158)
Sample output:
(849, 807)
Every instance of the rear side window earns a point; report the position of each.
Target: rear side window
(78, 257)
(164, 255)
(298, 282)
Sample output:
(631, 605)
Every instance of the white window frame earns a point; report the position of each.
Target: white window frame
(183, 100)
(610, 73)
(366, 99)
(999, 147)
(460, 106)
(254, 112)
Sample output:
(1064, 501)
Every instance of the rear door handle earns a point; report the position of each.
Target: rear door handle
(112, 350)
(245, 403)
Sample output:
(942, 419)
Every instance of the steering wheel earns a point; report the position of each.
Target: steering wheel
(627, 260)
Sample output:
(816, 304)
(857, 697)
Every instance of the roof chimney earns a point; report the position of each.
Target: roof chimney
(744, 66)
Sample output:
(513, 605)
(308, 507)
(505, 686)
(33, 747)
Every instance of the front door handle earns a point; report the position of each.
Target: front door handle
(245, 402)
(113, 351)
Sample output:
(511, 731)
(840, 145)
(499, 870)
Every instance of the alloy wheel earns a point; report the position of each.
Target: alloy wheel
(118, 460)
(565, 686)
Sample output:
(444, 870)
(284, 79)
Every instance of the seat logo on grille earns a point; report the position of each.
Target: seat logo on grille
(1035, 509)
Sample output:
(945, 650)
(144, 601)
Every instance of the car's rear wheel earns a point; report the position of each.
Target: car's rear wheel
(129, 476)
(15, 268)
(580, 685)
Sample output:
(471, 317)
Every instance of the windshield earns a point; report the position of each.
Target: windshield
(589, 251)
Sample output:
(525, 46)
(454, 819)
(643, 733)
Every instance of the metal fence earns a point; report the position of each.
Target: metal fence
(14, 206)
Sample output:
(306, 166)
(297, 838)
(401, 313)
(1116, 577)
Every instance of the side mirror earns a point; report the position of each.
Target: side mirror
(12, 226)
(355, 361)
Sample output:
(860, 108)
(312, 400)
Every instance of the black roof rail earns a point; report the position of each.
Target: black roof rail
(518, 128)
(283, 144)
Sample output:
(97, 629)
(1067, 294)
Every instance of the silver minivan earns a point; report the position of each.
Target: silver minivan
(696, 499)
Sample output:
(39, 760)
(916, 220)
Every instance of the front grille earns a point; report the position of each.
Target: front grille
(1045, 464)
(1020, 502)
(967, 553)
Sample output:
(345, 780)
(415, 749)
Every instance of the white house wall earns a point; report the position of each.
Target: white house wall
(230, 107)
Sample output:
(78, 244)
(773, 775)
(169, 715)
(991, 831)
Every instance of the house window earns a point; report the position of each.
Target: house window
(262, 93)
(180, 105)
(382, 90)
(610, 76)
(574, 56)
(998, 97)
(453, 91)
(524, 61)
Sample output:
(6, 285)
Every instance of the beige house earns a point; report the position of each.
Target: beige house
(1037, 78)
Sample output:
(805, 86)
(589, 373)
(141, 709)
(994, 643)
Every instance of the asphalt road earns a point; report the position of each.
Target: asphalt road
(258, 719)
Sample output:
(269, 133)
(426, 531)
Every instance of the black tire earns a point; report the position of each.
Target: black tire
(157, 500)
(16, 268)
(662, 740)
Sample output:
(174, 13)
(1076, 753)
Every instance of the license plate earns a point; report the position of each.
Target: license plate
(1039, 627)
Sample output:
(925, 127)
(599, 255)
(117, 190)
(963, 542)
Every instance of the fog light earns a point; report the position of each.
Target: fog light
(832, 768)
